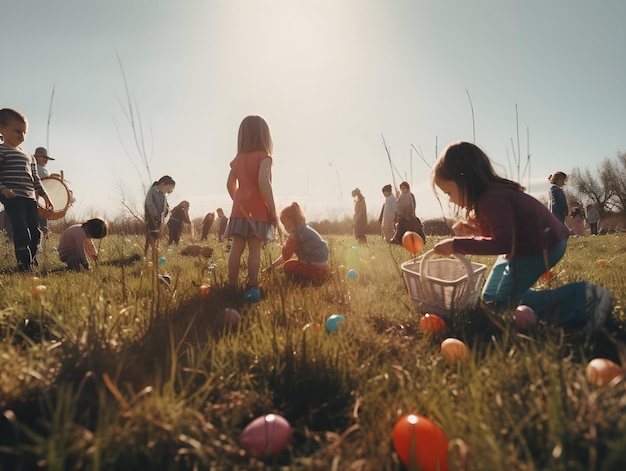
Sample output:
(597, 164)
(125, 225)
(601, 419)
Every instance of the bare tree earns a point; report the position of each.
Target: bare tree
(607, 188)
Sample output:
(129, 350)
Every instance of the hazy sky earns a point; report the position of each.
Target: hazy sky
(331, 77)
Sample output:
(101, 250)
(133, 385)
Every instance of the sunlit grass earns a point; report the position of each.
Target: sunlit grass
(117, 371)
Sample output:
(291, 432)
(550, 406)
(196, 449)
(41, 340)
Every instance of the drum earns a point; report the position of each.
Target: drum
(59, 194)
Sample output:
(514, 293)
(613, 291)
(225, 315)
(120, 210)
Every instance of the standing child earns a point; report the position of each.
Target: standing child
(207, 223)
(178, 218)
(221, 228)
(249, 184)
(19, 186)
(307, 244)
(156, 208)
(593, 218)
(577, 225)
(76, 243)
(388, 214)
(501, 219)
(557, 201)
(360, 216)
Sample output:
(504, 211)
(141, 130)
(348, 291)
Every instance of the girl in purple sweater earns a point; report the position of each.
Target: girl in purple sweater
(501, 219)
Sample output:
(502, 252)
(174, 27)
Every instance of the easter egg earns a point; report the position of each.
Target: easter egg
(204, 290)
(602, 262)
(252, 295)
(601, 371)
(165, 279)
(312, 327)
(454, 350)
(420, 443)
(352, 273)
(412, 242)
(432, 324)
(332, 323)
(547, 276)
(161, 261)
(525, 317)
(38, 291)
(212, 266)
(231, 316)
(267, 435)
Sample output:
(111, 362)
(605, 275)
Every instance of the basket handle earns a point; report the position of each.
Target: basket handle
(424, 273)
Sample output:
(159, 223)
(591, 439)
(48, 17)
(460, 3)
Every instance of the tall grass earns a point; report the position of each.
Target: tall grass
(111, 369)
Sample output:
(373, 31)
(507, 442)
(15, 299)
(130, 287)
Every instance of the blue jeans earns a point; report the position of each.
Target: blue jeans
(26, 234)
(510, 281)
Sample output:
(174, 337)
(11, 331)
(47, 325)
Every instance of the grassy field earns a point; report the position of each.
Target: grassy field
(113, 370)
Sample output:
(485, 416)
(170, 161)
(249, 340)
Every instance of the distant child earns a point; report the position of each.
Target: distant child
(388, 214)
(178, 218)
(156, 208)
(42, 158)
(593, 218)
(207, 223)
(253, 215)
(312, 251)
(501, 219)
(557, 201)
(577, 222)
(221, 229)
(360, 216)
(19, 186)
(76, 243)
(406, 220)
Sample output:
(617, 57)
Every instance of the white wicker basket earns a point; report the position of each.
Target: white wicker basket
(443, 286)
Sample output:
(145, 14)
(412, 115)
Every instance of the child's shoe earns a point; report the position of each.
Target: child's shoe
(599, 305)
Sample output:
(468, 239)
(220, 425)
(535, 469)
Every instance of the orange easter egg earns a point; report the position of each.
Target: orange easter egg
(432, 323)
(547, 276)
(204, 290)
(420, 443)
(454, 350)
(602, 262)
(38, 291)
(601, 371)
(412, 242)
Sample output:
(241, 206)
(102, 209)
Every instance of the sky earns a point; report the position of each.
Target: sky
(357, 93)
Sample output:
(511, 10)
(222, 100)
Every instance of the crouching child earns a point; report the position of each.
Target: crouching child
(76, 243)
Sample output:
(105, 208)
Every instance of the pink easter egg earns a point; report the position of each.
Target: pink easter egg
(231, 315)
(525, 317)
(266, 435)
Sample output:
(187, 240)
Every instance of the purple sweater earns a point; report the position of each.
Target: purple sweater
(513, 223)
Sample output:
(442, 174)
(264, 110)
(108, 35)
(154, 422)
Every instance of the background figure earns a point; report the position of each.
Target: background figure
(360, 216)
(221, 229)
(557, 203)
(178, 217)
(156, 208)
(406, 220)
(249, 184)
(388, 214)
(42, 157)
(577, 225)
(593, 218)
(312, 251)
(76, 244)
(207, 223)
(502, 219)
(19, 187)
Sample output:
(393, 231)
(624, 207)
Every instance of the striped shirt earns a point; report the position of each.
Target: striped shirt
(18, 172)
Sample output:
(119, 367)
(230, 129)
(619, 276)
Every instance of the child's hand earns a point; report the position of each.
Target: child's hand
(49, 205)
(465, 228)
(8, 193)
(445, 247)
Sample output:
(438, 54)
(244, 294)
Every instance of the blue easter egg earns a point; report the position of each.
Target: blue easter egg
(161, 260)
(352, 273)
(332, 323)
(252, 295)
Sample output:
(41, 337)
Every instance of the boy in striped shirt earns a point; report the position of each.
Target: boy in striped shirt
(19, 187)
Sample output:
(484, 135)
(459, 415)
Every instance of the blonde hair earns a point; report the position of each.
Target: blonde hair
(254, 135)
(292, 213)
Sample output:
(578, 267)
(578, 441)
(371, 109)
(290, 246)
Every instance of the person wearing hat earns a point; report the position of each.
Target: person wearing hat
(42, 157)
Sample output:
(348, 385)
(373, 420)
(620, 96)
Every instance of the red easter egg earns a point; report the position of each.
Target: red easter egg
(266, 435)
(454, 350)
(601, 371)
(420, 443)
(547, 276)
(412, 242)
(525, 317)
(204, 290)
(432, 323)
(602, 262)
